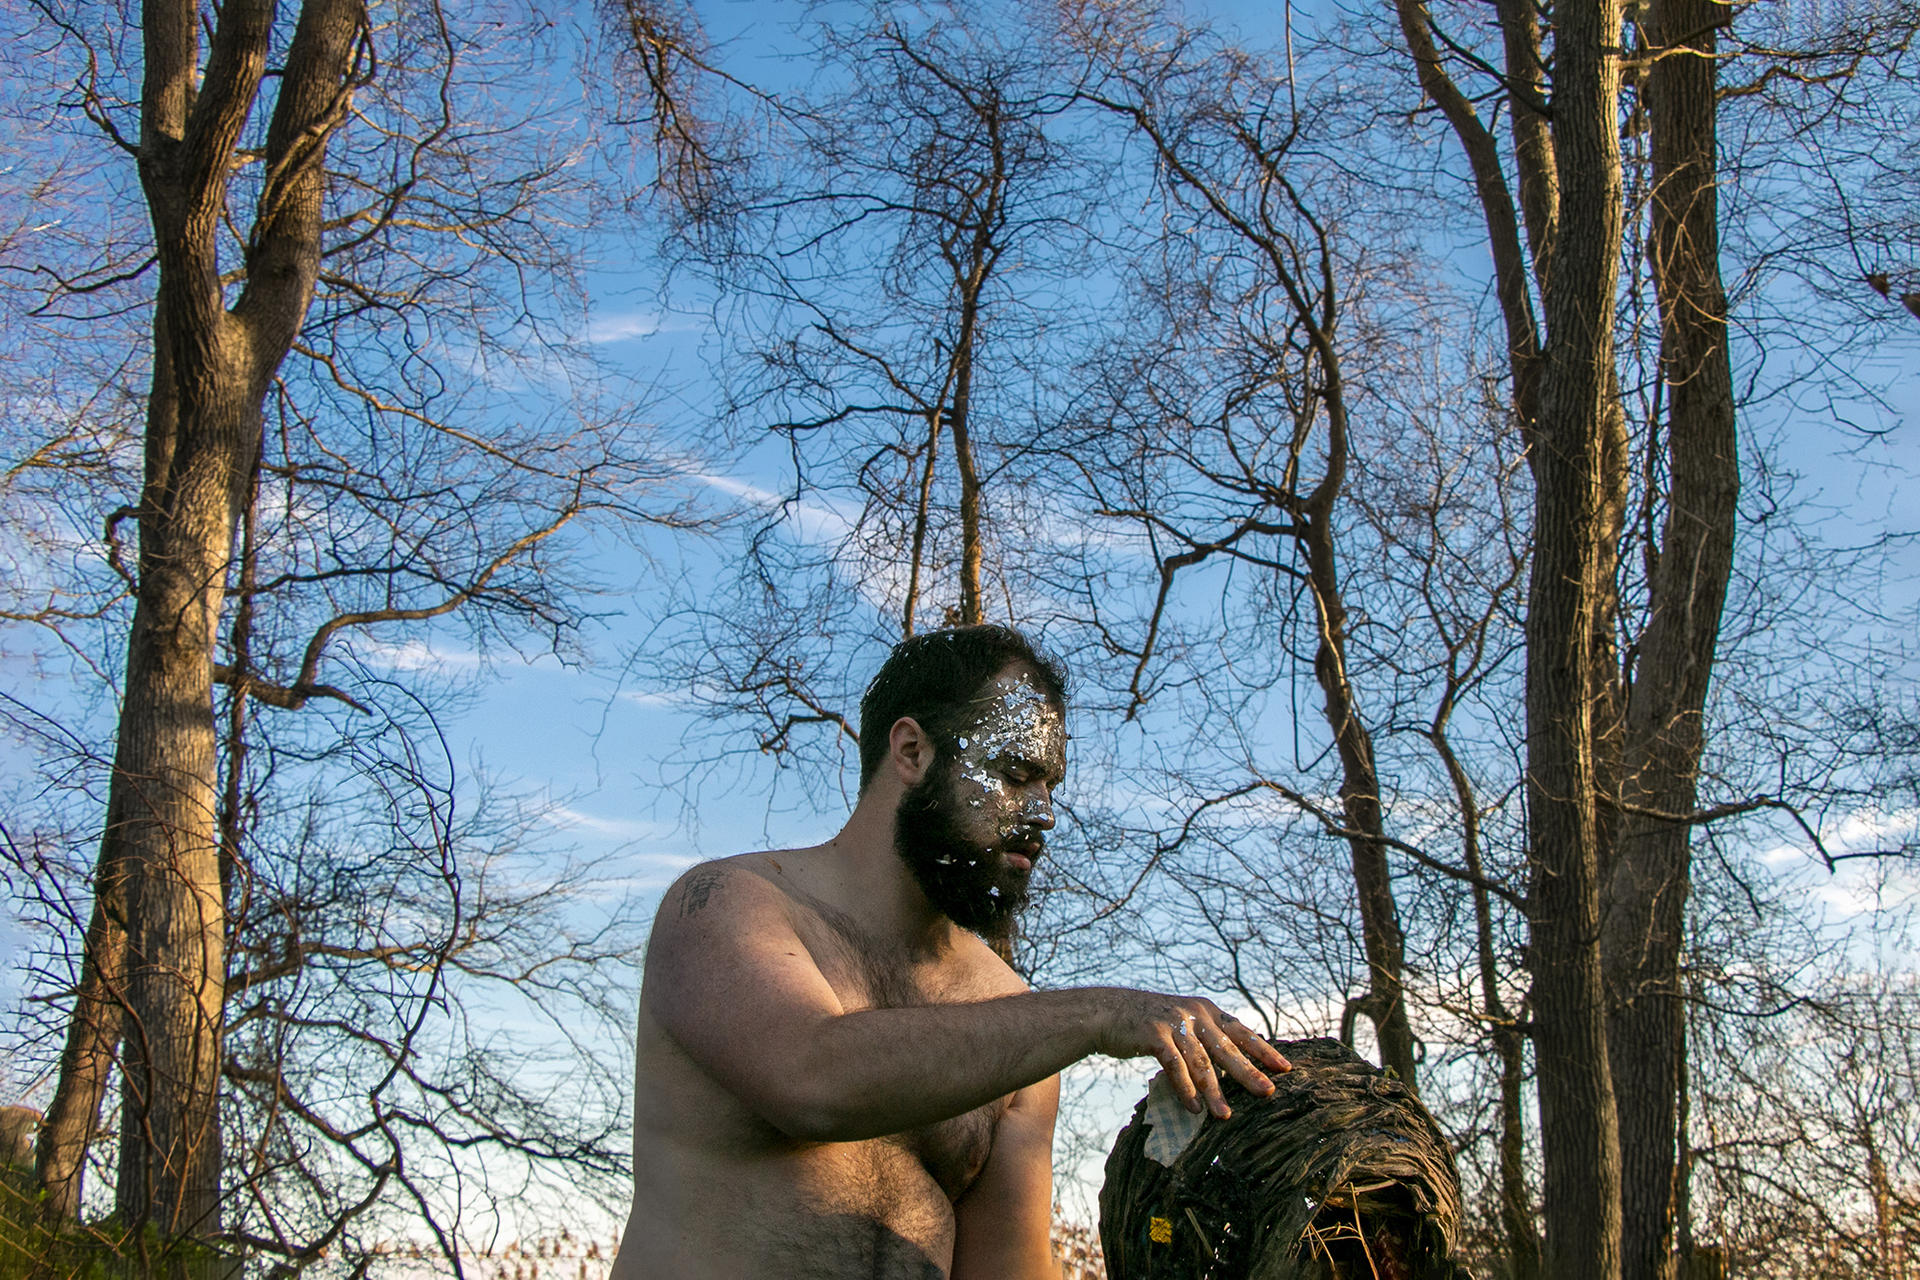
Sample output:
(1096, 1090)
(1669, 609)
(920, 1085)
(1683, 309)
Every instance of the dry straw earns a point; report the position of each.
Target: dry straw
(1341, 1173)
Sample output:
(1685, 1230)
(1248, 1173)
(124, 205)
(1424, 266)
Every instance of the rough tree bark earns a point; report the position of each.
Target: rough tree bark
(1648, 880)
(212, 368)
(1569, 591)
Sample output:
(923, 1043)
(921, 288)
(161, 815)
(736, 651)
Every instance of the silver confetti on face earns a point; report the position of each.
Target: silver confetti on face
(1016, 722)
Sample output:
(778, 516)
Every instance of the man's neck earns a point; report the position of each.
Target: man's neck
(876, 887)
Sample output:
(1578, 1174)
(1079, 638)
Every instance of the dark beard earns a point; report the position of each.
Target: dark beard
(958, 876)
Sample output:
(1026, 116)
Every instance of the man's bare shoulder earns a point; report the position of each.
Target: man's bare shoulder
(718, 913)
(729, 935)
(745, 882)
(785, 896)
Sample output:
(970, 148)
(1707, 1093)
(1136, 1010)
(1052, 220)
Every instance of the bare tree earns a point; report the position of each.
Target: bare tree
(1275, 438)
(1279, 411)
(1652, 588)
(889, 288)
(357, 270)
(1591, 733)
(1645, 597)
(158, 944)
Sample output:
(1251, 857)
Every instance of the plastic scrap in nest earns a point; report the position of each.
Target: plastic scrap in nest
(1340, 1174)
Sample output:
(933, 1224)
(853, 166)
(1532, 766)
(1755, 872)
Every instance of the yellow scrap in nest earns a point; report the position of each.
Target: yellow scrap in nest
(1160, 1230)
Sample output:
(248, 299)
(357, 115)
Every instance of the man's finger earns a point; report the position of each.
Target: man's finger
(1237, 1063)
(1200, 1066)
(1254, 1047)
(1175, 1066)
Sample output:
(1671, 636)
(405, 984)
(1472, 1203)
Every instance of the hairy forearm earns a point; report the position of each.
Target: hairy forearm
(880, 1071)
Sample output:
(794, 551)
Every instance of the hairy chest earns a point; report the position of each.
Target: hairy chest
(952, 1151)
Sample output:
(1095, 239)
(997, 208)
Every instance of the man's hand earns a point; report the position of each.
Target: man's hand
(1192, 1038)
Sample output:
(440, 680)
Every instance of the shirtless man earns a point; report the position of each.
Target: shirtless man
(837, 1076)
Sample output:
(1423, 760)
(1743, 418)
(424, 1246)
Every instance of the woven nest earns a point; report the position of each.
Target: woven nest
(1341, 1173)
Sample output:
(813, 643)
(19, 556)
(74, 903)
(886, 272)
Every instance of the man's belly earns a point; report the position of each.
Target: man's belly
(823, 1211)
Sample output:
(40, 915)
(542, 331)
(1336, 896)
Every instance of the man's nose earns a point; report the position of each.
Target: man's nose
(1038, 810)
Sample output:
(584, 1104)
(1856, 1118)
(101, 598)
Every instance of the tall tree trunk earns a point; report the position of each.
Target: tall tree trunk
(1385, 1003)
(160, 865)
(164, 789)
(972, 547)
(1568, 593)
(1649, 879)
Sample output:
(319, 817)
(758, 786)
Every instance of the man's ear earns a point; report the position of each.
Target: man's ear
(910, 750)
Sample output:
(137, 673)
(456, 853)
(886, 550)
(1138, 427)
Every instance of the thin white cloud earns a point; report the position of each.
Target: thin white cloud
(622, 326)
(1865, 891)
(1870, 828)
(1783, 855)
(815, 520)
(417, 655)
(647, 874)
(657, 870)
(568, 818)
(666, 700)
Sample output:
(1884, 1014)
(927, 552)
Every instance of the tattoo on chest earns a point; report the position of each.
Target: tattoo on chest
(697, 889)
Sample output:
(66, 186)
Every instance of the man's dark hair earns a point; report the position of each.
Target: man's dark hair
(934, 675)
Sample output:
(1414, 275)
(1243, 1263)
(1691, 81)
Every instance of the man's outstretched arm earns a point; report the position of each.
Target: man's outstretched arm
(731, 982)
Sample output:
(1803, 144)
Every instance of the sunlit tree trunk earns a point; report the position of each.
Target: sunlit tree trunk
(162, 797)
(1570, 590)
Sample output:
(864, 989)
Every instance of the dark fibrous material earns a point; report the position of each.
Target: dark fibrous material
(1341, 1173)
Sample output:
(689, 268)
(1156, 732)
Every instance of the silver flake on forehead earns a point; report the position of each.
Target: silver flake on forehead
(1020, 721)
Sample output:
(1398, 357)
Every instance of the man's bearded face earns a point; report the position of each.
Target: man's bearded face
(972, 828)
